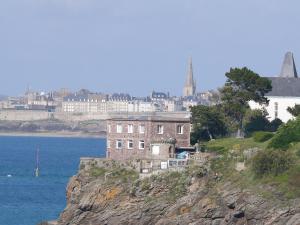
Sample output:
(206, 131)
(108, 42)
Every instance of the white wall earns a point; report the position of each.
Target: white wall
(283, 104)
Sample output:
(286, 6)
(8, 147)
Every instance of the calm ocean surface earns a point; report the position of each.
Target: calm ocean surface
(27, 200)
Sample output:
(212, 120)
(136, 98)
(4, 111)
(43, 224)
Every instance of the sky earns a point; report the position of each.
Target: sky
(136, 46)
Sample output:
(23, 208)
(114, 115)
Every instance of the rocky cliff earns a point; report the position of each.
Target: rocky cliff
(113, 194)
(97, 127)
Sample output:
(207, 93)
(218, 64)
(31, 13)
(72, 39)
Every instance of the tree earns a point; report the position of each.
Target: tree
(286, 134)
(208, 123)
(274, 125)
(242, 86)
(255, 120)
(295, 111)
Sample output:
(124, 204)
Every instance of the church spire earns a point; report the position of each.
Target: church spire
(190, 84)
(288, 68)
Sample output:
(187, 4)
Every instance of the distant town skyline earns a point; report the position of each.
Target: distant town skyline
(139, 46)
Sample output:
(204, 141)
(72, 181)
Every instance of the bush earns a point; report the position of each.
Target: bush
(286, 134)
(254, 121)
(294, 178)
(274, 125)
(217, 149)
(271, 162)
(262, 136)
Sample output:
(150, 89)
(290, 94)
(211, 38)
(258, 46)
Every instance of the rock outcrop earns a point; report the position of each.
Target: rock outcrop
(52, 125)
(114, 195)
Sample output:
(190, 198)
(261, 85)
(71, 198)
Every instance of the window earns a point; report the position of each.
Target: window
(119, 128)
(276, 109)
(160, 129)
(155, 149)
(108, 144)
(109, 128)
(130, 128)
(142, 129)
(141, 144)
(130, 144)
(119, 144)
(179, 129)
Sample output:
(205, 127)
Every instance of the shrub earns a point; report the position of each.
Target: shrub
(298, 152)
(271, 162)
(255, 120)
(274, 125)
(262, 136)
(286, 134)
(97, 171)
(217, 149)
(294, 178)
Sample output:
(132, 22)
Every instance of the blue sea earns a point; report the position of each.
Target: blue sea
(26, 199)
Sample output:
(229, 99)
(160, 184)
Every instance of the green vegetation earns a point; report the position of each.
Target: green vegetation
(286, 135)
(116, 173)
(271, 157)
(255, 120)
(278, 169)
(223, 145)
(271, 162)
(97, 171)
(242, 86)
(262, 136)
(174, 183)
(177, 182)
(233, 113)
(295, 111)
(208, 123)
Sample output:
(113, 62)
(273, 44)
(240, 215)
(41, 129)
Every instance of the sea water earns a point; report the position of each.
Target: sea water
(26, 199)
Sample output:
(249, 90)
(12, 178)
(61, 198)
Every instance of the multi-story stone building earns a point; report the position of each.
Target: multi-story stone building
(146, 137)
(84, 103)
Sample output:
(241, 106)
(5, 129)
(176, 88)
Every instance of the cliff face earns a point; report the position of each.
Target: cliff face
(115, 195)
(88, 127)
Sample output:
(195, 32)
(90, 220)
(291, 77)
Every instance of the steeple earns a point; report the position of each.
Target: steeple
(190, 84)
(288, 68)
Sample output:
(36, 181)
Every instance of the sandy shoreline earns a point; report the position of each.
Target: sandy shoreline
(52, 134)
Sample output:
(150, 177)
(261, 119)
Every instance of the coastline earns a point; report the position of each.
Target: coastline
(53, 134)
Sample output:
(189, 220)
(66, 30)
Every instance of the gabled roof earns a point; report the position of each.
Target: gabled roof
(285, 86)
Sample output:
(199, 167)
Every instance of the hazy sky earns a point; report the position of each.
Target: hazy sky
(137, 46)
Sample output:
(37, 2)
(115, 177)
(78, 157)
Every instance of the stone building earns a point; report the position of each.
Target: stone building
(146, 137)
(285, 91)
(40, 101)
(190, 84)
(84, 103)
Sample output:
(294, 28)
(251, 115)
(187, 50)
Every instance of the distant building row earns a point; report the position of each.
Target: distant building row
(84, 101)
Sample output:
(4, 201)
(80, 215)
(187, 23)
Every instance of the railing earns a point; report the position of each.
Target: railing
(164, 165)
(174, 163)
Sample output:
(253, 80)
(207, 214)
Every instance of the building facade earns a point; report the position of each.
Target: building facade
(146, 137)
(285, 91)
(84, 103)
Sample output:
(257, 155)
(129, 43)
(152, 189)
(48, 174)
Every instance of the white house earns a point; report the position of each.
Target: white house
(285, 91)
